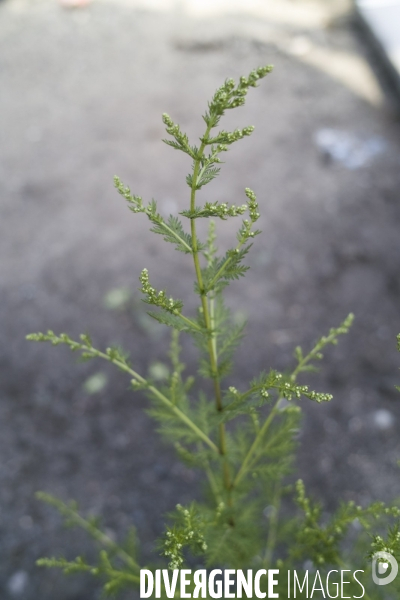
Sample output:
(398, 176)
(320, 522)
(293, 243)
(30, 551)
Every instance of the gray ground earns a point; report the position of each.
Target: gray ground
(81, 98)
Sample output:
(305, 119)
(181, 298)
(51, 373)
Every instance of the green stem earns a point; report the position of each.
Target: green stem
(312, 354)
(188, 321)
(97, 534)
(206, 314)
(103, 539)
(181, 415)
(182, 241)
(212, 320)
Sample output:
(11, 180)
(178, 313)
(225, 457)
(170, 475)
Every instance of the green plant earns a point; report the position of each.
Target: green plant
(243, 441)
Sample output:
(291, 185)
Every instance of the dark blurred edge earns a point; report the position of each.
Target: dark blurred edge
(380, 38)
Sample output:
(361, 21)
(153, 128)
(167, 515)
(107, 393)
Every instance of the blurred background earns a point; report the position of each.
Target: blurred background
(82, 92)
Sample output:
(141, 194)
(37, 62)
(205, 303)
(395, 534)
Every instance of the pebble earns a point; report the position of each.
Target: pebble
(383, 419)
(17, 583)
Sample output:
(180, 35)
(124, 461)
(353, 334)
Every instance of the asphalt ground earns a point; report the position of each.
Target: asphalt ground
(82, 94)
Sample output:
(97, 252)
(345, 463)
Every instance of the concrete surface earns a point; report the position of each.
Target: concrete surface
(81, 97)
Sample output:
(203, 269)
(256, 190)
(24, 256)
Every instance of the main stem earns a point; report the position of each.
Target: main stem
(207, 318)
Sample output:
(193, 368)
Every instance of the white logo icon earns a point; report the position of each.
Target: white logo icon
(382, 567)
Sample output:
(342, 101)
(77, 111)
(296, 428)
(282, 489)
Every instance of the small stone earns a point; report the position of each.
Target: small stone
(383, 419)
(17, 583)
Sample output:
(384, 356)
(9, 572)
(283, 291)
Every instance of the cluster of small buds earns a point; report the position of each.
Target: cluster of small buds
(136, 385)
(158, 298)
(245, 231)
(84, 346)
(343, 327)
(319, 397)
(378, 541)
(384, 549)
(135, 202)
(238, 101)
(39, 337)
(302, 499)
(332, 337)
(233, 390)
(290, 390)
(229, 84)
(63, 338)
(224, 210)
(227, 138)
(168, 122)
(182, 141)
(227, 96)
(252, 204)
(172, 550)
(221, 148)
(264, 393)
(224, 98)
(254, 76)
(174, 129)
(179, 537)
(150, 211)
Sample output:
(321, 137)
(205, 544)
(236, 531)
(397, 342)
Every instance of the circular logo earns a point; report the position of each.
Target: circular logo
(380, 565)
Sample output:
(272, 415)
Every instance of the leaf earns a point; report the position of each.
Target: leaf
(173, 232)
(172, 321)
(226, 268)
(207, 175)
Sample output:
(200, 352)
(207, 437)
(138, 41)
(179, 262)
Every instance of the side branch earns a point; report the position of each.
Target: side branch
(73, 517)
(303, 365)
(114, 356)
